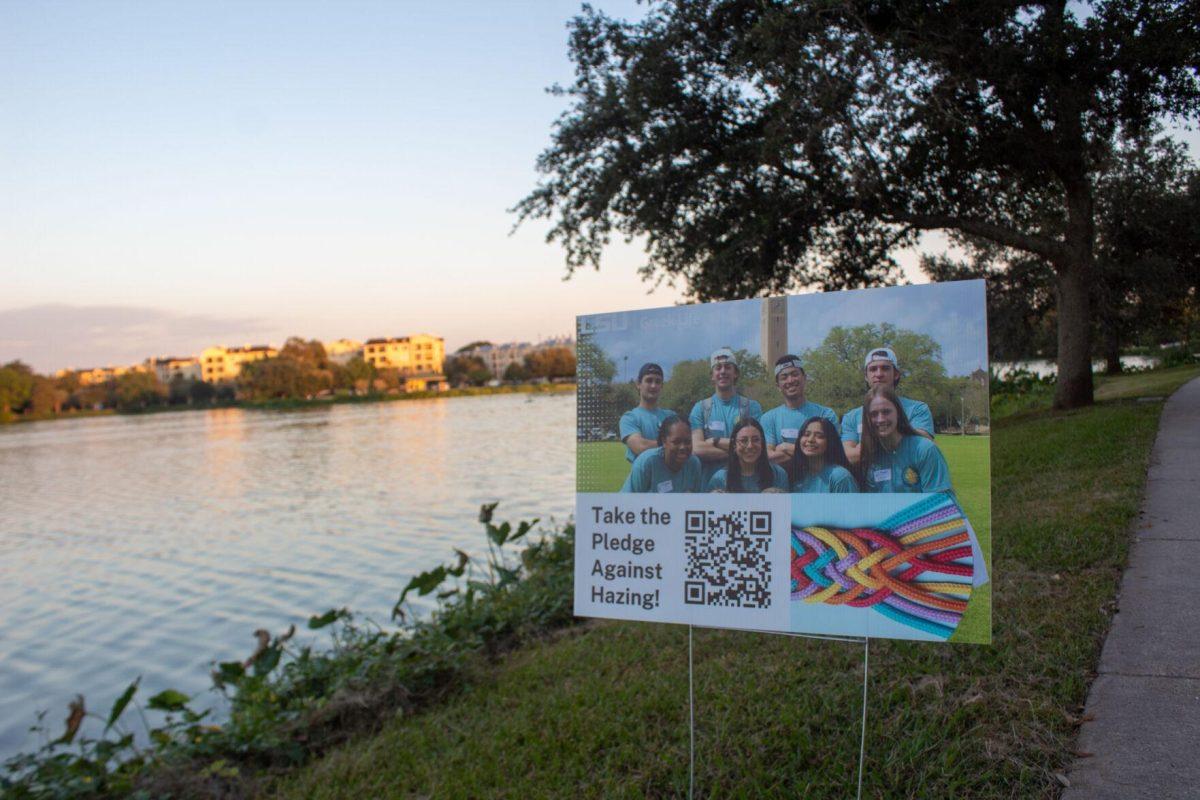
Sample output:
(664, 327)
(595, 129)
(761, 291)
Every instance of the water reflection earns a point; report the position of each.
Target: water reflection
(153, 545)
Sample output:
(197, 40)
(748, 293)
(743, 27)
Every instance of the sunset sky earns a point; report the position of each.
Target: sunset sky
(183, 174)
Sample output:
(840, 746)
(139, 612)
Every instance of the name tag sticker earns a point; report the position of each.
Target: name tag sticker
(716, 425)
(665, 487)
(881, 475)
(790, 433)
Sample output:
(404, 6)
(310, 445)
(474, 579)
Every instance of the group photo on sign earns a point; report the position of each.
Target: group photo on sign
(862, 417)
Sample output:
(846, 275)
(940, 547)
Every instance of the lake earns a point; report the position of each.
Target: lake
(154, 545)
(1045, 368)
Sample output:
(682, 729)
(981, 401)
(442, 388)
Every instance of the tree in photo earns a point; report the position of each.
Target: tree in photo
(835, 367)
(136, 390)
(551, 363)
(355, 375)
(16, 387)
(759, 147)
(516, 372)
(466, 370)
(691, 381)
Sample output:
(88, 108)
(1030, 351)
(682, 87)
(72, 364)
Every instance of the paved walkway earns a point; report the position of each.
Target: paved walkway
(1145, 738)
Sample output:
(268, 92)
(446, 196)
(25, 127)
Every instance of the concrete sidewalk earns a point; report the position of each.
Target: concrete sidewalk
(1145, 736)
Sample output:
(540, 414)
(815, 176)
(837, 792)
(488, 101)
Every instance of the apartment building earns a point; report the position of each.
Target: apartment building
(420, 354)
(225, 363)
(166, 368)
(94, 375)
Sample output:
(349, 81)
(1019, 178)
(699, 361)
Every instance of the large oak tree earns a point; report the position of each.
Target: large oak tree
(761, 146)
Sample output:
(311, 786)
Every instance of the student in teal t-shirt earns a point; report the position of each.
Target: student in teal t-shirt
(782, 424)
(881, 368)
(712, 419)
(639, 426)
(819, 466)
(748, 469)
(894, 457)
(668, 468)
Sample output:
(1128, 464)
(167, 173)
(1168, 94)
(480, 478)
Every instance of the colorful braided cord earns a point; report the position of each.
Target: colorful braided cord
(915, 568)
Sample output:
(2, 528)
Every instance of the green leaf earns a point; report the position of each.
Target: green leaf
(499, 535)
(424, 583)
(119, 706)
(485, 511)
(329, 617)
(168, 700)
(267, 660)
(523, 529)
(229, 672)
(458, 569)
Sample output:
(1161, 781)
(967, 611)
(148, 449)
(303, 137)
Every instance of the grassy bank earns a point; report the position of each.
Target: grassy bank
(467, 391)
(603, 712)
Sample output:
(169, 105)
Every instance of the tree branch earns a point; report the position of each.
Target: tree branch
(1038, 245)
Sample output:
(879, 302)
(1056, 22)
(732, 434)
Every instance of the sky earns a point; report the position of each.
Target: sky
(174, 175)
(180, 174)
(953, 314)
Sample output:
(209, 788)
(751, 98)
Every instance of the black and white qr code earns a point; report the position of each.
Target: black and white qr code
(728, 558)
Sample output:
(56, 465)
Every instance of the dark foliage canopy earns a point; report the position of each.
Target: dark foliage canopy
(761, 146)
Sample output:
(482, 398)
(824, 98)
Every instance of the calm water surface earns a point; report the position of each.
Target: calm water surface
(155, 545)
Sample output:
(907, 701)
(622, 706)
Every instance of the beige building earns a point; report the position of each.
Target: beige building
(225, 363)
(420, 354)
(341, 351)
(166, 368)
(94, 375)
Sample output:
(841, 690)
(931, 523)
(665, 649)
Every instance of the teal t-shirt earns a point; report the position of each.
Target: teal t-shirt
(720, 422)
(832, 479)
(779, 480)
(915, 466)
(642, 422)
(917, 412)
(784, 424)
(650, 475)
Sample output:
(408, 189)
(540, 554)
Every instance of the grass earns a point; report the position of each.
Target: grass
(601, 711)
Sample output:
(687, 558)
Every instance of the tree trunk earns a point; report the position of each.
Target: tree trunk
(1074, 271)
(1112, 351)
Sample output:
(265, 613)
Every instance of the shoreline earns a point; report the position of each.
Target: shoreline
(297, 403)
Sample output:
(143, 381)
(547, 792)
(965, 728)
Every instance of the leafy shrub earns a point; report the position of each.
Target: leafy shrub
(1019, 391)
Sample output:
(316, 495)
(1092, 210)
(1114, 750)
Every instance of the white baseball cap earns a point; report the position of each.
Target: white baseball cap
(721, 354)
(882, 354)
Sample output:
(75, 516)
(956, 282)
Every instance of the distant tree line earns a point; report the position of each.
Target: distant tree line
(301, 370)
(550, 363)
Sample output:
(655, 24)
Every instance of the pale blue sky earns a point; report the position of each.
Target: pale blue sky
(953, 314)
(179, 174)
(328, 169)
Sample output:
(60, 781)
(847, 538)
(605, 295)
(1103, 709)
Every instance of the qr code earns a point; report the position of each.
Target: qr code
(728, 558)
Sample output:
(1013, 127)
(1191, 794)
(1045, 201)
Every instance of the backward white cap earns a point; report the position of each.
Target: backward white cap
(721, 354)
(881, 354)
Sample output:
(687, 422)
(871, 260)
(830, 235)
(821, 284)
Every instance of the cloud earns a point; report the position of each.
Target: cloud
(55, 336)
